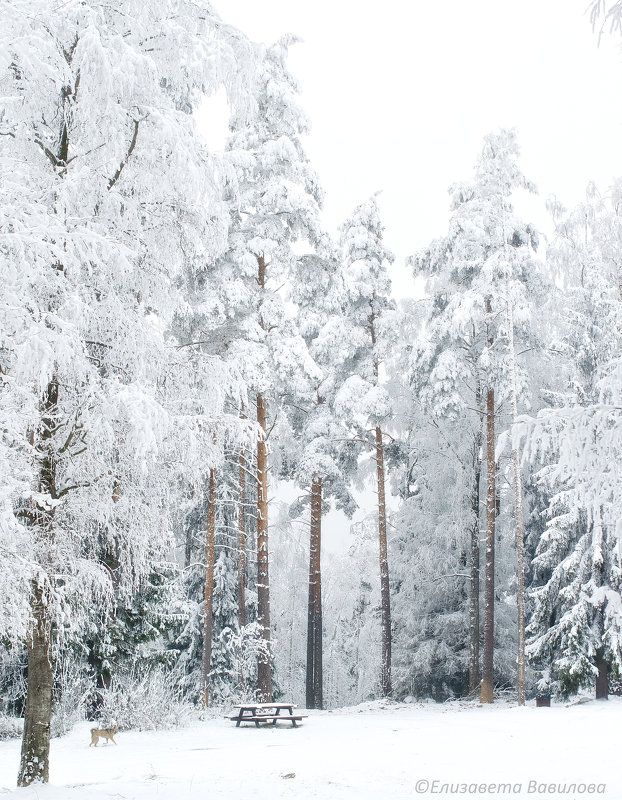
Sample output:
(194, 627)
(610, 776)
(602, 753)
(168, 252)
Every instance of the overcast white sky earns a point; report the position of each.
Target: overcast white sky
(401, 93)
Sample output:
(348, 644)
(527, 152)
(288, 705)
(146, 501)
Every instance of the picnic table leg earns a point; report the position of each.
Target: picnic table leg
(242, 716)
(277, 713)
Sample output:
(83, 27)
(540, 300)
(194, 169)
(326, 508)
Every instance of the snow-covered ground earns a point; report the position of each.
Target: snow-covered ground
(372, 751)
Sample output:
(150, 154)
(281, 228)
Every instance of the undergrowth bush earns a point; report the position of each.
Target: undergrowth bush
(144, 702)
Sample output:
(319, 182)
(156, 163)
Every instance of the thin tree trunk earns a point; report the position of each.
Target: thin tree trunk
(487, 695)
(487, 689)
(208, 601)
(314, 682)
(309, 682)
(602, 667)
(318, 675)
(474, 674)
(264, 660)
(35, 755)
(242, 545)
(385, 595)
(188, 547)
(518, 510)
(264, 671)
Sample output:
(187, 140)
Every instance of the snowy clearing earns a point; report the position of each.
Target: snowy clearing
(377, 750)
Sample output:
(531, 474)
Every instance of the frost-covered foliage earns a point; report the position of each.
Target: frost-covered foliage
(152, 291)
(109, 194)
(457, 344)
(609, 12)
(351, 607)
(106, 199)
(322, 445)
(366, 330)
(144, 702)
(485, 262)
(274, 199)
(577, 620)
(353, 648)
(10, 727)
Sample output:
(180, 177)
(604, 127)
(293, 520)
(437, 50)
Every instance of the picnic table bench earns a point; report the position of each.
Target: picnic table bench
(266, 713)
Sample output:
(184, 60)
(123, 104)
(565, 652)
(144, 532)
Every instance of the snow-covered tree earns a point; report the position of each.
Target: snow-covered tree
(275, 199)
(362, 396)
(109, 191)
(575, 630)
(483, 283)
(325, 460)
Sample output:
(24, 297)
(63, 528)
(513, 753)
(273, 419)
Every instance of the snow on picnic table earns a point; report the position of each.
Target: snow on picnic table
(376, 750)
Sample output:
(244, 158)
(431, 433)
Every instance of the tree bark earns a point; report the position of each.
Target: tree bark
(385, 590)
(35, 755)
(487, 695)
(242, 545)
(474, 674)
(602, 677)
(487, 688)
(264, 659)
(314, 682)
(518, 511)
(385, 594)
(264, 665)
(208, 602)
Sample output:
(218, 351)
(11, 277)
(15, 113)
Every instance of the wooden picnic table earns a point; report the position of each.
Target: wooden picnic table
(266, 713)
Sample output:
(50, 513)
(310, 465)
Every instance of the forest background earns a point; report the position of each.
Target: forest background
(180, 335)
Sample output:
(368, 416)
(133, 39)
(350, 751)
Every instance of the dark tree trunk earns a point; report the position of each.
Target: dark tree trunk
(208, 602)
(264, 666)
(474, 676)
(35, 758)
(264, 660)
(242, 545)
(602, 678)
(487, 694)
(35, 755)
(385, 594)
(314, 683)
(188, 547)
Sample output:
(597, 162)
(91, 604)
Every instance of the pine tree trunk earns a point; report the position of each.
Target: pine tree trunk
(35, 755)
(309, 677)
(314, 682)
(487, 694)
(385, 595)
(242, 545)
(264, 670)
(474, 675)
(520, 567)
(518, 510)
(208, 602)
(602, 677)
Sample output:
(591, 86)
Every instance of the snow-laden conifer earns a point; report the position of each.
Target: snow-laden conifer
(576, 627)
(362, 399)
(274, 196)
(483, 280)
